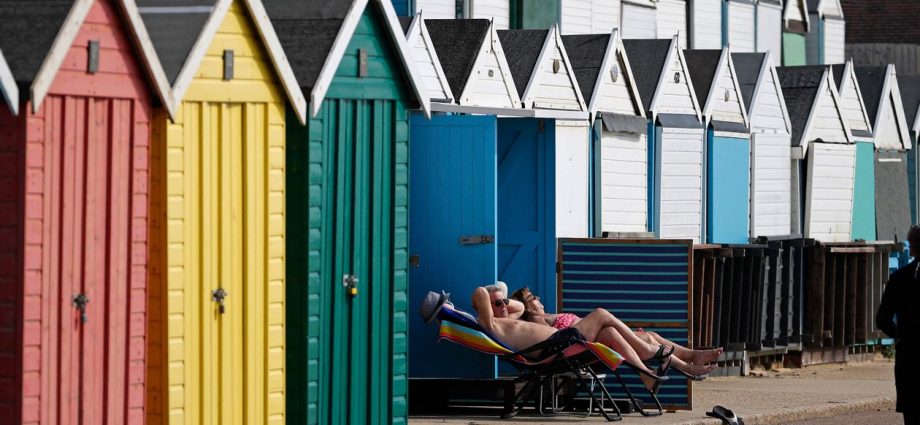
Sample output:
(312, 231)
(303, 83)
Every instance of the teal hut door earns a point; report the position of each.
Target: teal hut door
(728, 189)
(452, 240)
(526, 205)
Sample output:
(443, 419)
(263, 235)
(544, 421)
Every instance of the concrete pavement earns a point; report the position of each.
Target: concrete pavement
(766, 397)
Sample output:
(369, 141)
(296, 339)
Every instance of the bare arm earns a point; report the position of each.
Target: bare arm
(483, 309)
(515, 309)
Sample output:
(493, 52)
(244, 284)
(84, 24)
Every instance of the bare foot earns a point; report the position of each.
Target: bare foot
(702, 357)
(651, 383)
(696, 369)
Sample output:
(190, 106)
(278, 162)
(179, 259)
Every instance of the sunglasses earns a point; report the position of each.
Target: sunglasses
(531, 297)
(499, 303)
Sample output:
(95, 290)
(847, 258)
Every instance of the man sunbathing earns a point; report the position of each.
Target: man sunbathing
(650, 346)
(492, 314)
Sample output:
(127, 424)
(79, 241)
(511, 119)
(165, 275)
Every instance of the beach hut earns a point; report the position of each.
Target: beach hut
(769, 27)
(891, 136)
(589, 16)
(347, 206)
(727, 145)
(79, 83)
(618, 138)
(739, 27)
(795, 26)
(706, 24)
(426, 60)
(639, 19)
(910, 96)
(474, 64)
(770, 144)
(217, 296)
(854, 112)
(824, 43)
(546, 82)
(823, 153)
(672, 19)
(675, 138)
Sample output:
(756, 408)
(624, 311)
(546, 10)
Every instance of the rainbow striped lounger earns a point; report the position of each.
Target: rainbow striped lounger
(578, 360)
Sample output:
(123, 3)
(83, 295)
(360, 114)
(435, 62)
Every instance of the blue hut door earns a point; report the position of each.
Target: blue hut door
(452, 231)
(526, 205)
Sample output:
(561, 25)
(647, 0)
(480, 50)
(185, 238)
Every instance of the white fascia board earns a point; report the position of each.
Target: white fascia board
(557, 39)
(8, 87)
(58, 52)
(527, 99)
(152, 64)
(916, 124)
(827, 82)
(609, 55)
(727, 52)
(279, 59)
(849, 76)
(509, 112)
(771, 68)
(190, 67)
(633, 89)
(663, 72)
(803, 143)
(396, 35)
(327, 72)
(683, 64)
(438, 69)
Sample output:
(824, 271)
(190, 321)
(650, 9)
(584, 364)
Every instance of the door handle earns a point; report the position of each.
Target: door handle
(218, 296)
(80, 301)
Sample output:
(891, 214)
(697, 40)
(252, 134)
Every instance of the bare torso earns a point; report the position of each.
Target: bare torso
(520, 334)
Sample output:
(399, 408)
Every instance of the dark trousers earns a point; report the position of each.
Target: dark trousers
(912, 418)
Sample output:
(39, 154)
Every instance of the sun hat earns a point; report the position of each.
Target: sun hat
(432, 304)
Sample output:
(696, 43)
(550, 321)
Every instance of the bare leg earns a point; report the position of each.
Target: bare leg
(611, 338)
(592, 324)
(699, 357)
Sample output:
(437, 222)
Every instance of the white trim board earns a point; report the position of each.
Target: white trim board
(491, 45)
(553, 41)
(8, 87)
(614, 51)
(724, 57)
(891, 93)
(510, 112)
(826, 83)
(849, 76)
(418, 29)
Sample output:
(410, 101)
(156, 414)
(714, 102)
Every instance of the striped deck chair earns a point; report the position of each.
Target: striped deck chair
(579, 360)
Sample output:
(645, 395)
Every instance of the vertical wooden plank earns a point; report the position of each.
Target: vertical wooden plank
(52, 356)
(274, 255)
(237, 308)
(70, 285)
(379, 280)
(209, 390)
(850, 310)
(840, 300)
(359, 304)
(119, 257)
(820, 270)
(18, 374)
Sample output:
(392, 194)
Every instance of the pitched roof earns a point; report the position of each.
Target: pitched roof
(702, 66)
(586, 53)
(871, 83)
(747, 68)
(882, 21)
(800, 87)
(910, 96)
(522, 50)
(457, 43)
(27, 33)
(307, 29)
(406, 22)
(174, 27)
(647, 59)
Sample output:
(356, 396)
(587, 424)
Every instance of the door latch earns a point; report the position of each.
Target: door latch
(80, 301)
(350, 282)
(218, 296)
(476, 239)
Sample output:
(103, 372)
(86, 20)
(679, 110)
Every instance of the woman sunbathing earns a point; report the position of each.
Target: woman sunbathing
(695, 364)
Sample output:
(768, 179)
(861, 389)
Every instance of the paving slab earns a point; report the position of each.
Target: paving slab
(764, 397)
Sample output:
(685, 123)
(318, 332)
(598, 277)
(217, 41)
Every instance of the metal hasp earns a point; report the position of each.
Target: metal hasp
(92, 57)
(218, 296)
(80, 301)
(362, 63)
(350, 282)
(228, 65)
(477, 240)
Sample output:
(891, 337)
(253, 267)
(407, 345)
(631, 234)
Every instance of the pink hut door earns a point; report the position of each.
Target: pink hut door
(86, 203)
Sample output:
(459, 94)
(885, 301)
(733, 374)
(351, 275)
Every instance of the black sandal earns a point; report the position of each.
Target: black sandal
(659, 357)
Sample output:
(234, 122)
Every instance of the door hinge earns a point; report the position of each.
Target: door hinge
(80, 301)
(476, 239)
(218, 295)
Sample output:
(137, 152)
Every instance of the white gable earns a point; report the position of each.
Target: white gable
(724, 102)
(426, 61)
(490, 83)
(825, 121)
(498, 11)
(893, 98)
(706, 24)
(769, 28)
(675, 96)
(672, 19)
(795, 11)
(741, 26)
(553, 84)
(851, 102)
(616, 96)
(590, 16)
(768, 112)
(831, 8)
(887, 133)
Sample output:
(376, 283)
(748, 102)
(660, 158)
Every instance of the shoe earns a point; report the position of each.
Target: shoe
(659, 357)
(726, 415)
